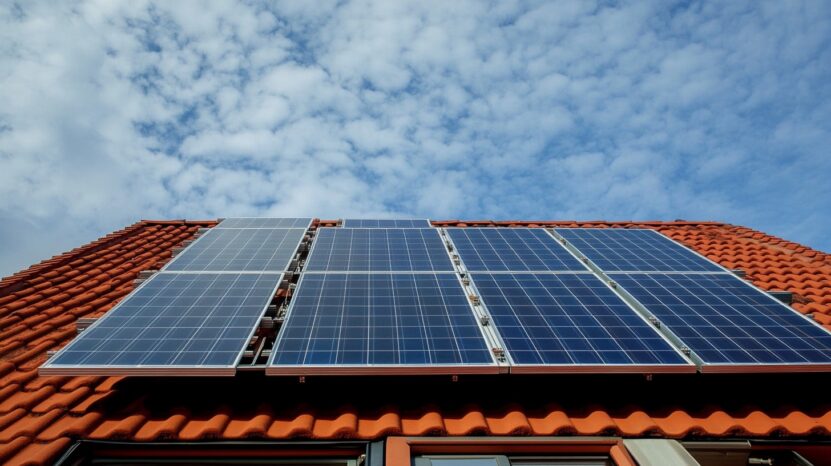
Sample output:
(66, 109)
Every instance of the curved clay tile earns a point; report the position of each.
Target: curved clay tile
(637, 423)
(471, 423)
(118, 428)
(300, 426)
(513, 423)
(73, 426)
(29, 425)
(430, 423)
(595, 423)
(256, 426)
(386, 424)
(554, 423)
(212, 427)
(61, 400)
(155, 429)
(343, 426)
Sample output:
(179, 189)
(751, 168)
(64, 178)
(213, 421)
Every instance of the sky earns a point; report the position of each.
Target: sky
(111, 112)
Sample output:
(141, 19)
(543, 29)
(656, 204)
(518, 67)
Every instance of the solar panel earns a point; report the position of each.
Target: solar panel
(174, 323)
(261, 222)
(240, 250)
(380, 323)
(511, 249)
(385, 223)
(572, 322)
(378, 250)
(634, 250)
(729, 324)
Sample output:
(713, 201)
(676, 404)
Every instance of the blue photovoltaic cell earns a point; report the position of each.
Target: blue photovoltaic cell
(255, 222)
(724, 320)
(380, 319)
(240, 250)
(401, 223)
(625, 250)
(569, 320)
(175, 320)
(378, 250)
(511, 250)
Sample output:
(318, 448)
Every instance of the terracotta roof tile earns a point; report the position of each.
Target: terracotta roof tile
(197, 429)
(62, 400)
(36, 453)
(159, 429)
(118, 427)
(70, 426)
(9, 449)
(22, 399)
(29, 425)
(10, 418)
(40, 416)
(300, 426)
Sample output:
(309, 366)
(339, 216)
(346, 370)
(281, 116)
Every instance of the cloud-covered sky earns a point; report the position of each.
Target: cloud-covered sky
(115, 111)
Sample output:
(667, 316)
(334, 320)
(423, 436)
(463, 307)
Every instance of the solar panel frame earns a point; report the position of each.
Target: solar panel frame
(706, 365)
(684, 365)
(602, 263)
(175, 264)
(273, 368)
(314, 261)
(465, 246)
(265, 222)
(393, 223)
(52, 368)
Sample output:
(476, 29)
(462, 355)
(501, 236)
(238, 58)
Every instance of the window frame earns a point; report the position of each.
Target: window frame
(400, 451)
(305, 452)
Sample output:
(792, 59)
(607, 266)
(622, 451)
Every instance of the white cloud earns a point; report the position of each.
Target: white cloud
(114, 111)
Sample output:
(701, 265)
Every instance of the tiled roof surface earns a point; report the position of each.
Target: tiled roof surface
(41, 416)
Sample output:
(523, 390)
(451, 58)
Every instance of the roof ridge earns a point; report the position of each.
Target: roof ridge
(678, 222)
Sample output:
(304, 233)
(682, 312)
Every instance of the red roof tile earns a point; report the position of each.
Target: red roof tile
(41, 416)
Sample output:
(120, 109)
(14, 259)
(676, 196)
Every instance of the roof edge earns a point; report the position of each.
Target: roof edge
(16, 281)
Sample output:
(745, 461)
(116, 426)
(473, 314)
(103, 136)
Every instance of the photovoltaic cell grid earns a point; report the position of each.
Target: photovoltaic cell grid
(401, 223)
(374, 319)
(257, 222)
(511, 249)
(240, 250)
(723, 320)
(174, 321)
(571, 320)
(628, 250)
(378, 250)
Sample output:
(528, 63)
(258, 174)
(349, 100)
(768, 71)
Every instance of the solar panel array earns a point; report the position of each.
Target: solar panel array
(382, 300)
(561, 317)
(725, 321)
(257, 222)
(385, 296)
(635, 250)
(200, 323)
(240, 250)
(378, 250)
(197, 315)
(511, 249)
(571, 319)
(341, 321)
(385, 223)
